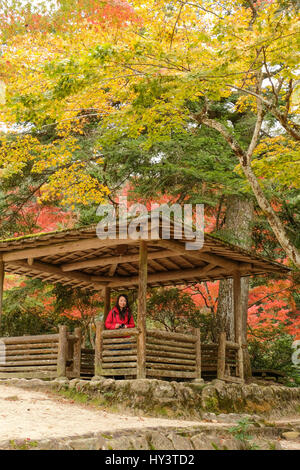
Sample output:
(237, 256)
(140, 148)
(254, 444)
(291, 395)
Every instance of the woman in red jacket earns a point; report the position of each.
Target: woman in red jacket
(120, 316)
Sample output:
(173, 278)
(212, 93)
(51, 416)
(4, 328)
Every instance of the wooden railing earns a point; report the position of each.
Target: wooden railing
(87, 362)
(41, 356)
(116, 351)
(166, 354)
(230, 360)
(171, 354)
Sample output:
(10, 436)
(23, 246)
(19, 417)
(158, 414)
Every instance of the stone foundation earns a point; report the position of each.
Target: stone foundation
(177, 399)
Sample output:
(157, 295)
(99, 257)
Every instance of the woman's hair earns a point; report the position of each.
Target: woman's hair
(122, 312)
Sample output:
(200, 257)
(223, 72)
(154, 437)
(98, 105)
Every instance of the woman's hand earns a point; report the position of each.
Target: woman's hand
(117, 325)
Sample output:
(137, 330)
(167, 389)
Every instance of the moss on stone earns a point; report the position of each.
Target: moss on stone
(211, 404)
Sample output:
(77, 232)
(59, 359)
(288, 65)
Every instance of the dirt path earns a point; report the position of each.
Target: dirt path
(39, 415)
(29, 414)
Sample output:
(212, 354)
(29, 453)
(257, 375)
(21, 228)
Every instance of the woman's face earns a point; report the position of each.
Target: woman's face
(122, 302)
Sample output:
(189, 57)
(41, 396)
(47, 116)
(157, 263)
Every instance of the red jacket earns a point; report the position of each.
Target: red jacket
(114, 317)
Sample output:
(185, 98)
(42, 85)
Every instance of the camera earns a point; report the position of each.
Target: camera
(122, 326)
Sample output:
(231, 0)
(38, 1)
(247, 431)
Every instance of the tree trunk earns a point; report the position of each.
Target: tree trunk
(239, 216)
(244, 159)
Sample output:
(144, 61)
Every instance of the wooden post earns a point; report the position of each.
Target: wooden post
(2, 273)
(98, 348)
(106, 302)
(77, 353)
(221, 356)
(62, 351)
(198, 353)
(237, 302)
(141, 320)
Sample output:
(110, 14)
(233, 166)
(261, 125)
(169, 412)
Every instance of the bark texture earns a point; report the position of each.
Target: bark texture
(239, 216)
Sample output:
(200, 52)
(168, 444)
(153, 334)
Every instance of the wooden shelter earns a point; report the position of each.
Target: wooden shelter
(79, 259)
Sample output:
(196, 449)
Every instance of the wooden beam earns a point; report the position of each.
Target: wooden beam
(107, 301)
(97, 262)
(60, 248)
(55, 270)
(199, 255)
(62, 351)
(98, 349)
(221, 362)
(164, 276)
(141, 320)
(198, 352)
(77, 352)
(112, 269)
(237, 303)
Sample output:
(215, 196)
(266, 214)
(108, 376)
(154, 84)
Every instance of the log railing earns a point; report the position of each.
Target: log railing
(167, 354)
(116, 351)
(230, 360)
(171, 354)
(41, 356)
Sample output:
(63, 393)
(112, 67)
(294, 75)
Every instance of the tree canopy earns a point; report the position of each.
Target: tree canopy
(149, 70)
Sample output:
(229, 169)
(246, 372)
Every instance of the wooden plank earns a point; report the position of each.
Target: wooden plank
(164, 277)
(170, 360)
(232, 345)
(123, 371)
(121, 259)
(32, 347)
(27, 368)
(131, 357)
(39, 362)
(62, 351)
(127, 342)
(199, 255)
(169, 354)
(29, 375)
(153, 365)
(61, 248)
(198, 353)
(188, 346)
(186, 338)
(117, 353)
(120, 333)
(98, 348)
(112, 365)
(29, 351)
(170, 374)
(26, 357)
(221, 355)
(141, 320)
(77, 353)
(42, 267)
(30, 339)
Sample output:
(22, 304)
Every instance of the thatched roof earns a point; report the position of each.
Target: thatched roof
(78, 258)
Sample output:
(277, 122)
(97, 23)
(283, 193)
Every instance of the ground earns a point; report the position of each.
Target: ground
(39, 415)
(32, 415)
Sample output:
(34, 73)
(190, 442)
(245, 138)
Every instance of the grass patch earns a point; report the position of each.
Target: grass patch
(78, 397)
(26, 445)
